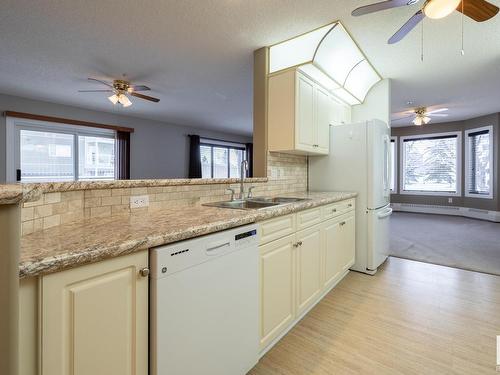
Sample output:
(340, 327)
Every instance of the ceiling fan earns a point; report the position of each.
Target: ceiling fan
(422, 116)
(478, 10)
(121, 89)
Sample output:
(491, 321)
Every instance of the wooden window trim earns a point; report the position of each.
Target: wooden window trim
(66, 121)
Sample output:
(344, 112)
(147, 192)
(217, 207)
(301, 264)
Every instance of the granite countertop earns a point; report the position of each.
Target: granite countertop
(91, 240)
(22, 192)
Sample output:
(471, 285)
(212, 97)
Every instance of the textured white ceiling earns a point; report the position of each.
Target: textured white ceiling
(197, 55)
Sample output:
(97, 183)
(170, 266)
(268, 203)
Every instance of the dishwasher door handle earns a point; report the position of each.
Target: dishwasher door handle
(217, 248)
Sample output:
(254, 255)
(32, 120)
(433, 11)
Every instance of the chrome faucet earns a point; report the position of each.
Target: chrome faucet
(243, 171)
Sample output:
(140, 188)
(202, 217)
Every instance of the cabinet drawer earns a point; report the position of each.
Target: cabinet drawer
(308, 217)
(276, 228)
(337, 208)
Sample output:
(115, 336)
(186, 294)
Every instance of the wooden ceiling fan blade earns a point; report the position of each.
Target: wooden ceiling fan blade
(109, 84)
(139, 88)
(407, 27)
(383, 5)
(95, 90)
(478, 10)
(145, 97)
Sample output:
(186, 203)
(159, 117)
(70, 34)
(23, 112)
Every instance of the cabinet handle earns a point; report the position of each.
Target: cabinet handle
(342, 223)
(144, 272)
(334, 210)
(296, 244)
(300, 243)
(349, 205)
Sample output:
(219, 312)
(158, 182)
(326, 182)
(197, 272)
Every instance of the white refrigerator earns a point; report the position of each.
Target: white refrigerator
(360, 161)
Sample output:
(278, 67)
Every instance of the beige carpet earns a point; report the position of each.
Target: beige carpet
(447, 240)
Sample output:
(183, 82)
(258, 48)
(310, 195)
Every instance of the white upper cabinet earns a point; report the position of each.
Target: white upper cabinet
(300, 112)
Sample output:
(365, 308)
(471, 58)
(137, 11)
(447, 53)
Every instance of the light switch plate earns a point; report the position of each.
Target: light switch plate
(139, 201)
(450, 200)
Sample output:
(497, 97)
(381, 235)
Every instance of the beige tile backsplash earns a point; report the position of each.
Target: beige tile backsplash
(286, 174)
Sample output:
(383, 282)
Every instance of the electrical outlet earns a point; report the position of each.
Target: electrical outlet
(450, 200)
(139, 201)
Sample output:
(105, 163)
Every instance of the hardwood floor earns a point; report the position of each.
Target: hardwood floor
(410, 318)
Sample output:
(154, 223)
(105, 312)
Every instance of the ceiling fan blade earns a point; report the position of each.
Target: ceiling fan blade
(437, 114)
(407, 27)
(145, 97)
(402, 118)
(383, 5)
(109, 84)
(437, 110)
(95, 90)
(478, 10)
(138, 88)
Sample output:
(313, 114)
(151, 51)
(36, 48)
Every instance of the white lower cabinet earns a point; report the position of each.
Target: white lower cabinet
(298, 269)
(308, 267)
(277, 300)
(94, 319)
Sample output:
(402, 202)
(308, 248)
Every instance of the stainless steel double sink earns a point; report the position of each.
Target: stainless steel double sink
(255, 203)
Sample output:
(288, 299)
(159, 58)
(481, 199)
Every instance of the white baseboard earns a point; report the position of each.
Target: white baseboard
(473, 213)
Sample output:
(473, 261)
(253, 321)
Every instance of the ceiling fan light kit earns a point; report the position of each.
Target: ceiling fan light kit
(437, 9)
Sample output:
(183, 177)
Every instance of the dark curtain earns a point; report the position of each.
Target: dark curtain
(249, 155)
(194, 156)
(122, 151)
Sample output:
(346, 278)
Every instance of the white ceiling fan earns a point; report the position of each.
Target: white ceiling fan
(421, 115)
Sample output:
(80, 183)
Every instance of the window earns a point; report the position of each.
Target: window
(221, 159)
(393, 164)
(479, 162)
(44, 151)
(431, 164)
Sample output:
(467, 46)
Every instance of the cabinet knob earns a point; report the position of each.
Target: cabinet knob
(334, 210)
(144, 272)
(299, 243)
(342, 223)
(349, 205)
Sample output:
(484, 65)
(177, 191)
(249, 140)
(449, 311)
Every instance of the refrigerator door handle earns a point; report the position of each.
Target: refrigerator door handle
(387, 165)
(384, 214)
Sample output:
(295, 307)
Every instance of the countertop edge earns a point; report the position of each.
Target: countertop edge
(70, 260)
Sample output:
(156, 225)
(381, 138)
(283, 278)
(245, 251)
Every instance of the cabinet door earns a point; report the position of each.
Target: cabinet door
(333, 256)
(305, 134)
(322, 120)
(308, 267)
(277, 269)
(95, 319)
(348, 242)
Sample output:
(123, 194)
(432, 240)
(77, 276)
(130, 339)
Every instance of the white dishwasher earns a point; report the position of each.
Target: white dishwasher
(204, 305)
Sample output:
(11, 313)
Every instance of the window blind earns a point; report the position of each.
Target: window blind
(478, 168)
(430, 164)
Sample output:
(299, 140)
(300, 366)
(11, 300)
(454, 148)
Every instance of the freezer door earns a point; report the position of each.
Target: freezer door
(378, 236)
(379, 162)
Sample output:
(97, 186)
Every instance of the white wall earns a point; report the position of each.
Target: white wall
(377, 104)
(158, 150)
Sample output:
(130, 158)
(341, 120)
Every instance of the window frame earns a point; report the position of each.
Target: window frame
(394, 162)
(14, 126)
(458, 182)
(467, 192)
(228, 145)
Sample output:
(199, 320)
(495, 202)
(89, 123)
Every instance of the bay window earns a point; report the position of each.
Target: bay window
(479, 162)
(431, 164)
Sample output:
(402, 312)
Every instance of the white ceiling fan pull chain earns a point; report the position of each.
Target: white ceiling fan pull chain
(462, 51)
(422, 43)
